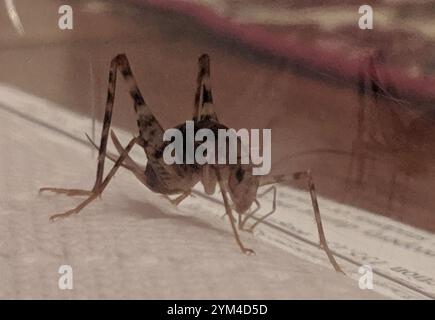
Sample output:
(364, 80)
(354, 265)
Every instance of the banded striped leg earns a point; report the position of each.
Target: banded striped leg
(135, 168)
(203, 106)
(229, 213)
(307, 175)
(150, 130)
(95, 193)
(204, 110)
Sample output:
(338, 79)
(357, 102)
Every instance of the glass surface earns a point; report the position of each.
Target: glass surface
(354, 106)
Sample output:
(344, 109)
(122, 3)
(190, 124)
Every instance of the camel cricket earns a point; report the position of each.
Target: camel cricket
(237, 180)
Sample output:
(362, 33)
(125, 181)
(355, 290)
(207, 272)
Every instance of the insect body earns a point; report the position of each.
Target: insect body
(237, 180)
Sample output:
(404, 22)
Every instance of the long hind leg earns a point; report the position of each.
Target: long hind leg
(150, 129)
(307, 175)
(203, 106)
(204, 110)
(129, 163)
(137, 169)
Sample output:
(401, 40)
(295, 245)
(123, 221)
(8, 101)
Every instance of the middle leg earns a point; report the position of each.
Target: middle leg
(229, 213)
(95, 193)
(242, 220)
(307, 175)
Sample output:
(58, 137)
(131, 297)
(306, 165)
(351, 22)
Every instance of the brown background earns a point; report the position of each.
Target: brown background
(251, 90)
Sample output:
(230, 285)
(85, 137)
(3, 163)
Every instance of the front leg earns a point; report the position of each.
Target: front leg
(180, 198)
(230, 215)
(243, 220)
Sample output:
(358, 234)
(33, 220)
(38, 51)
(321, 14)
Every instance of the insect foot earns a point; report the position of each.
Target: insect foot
(62, 215)
(248, 252)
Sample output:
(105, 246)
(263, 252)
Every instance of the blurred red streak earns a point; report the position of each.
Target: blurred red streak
(319, 60)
